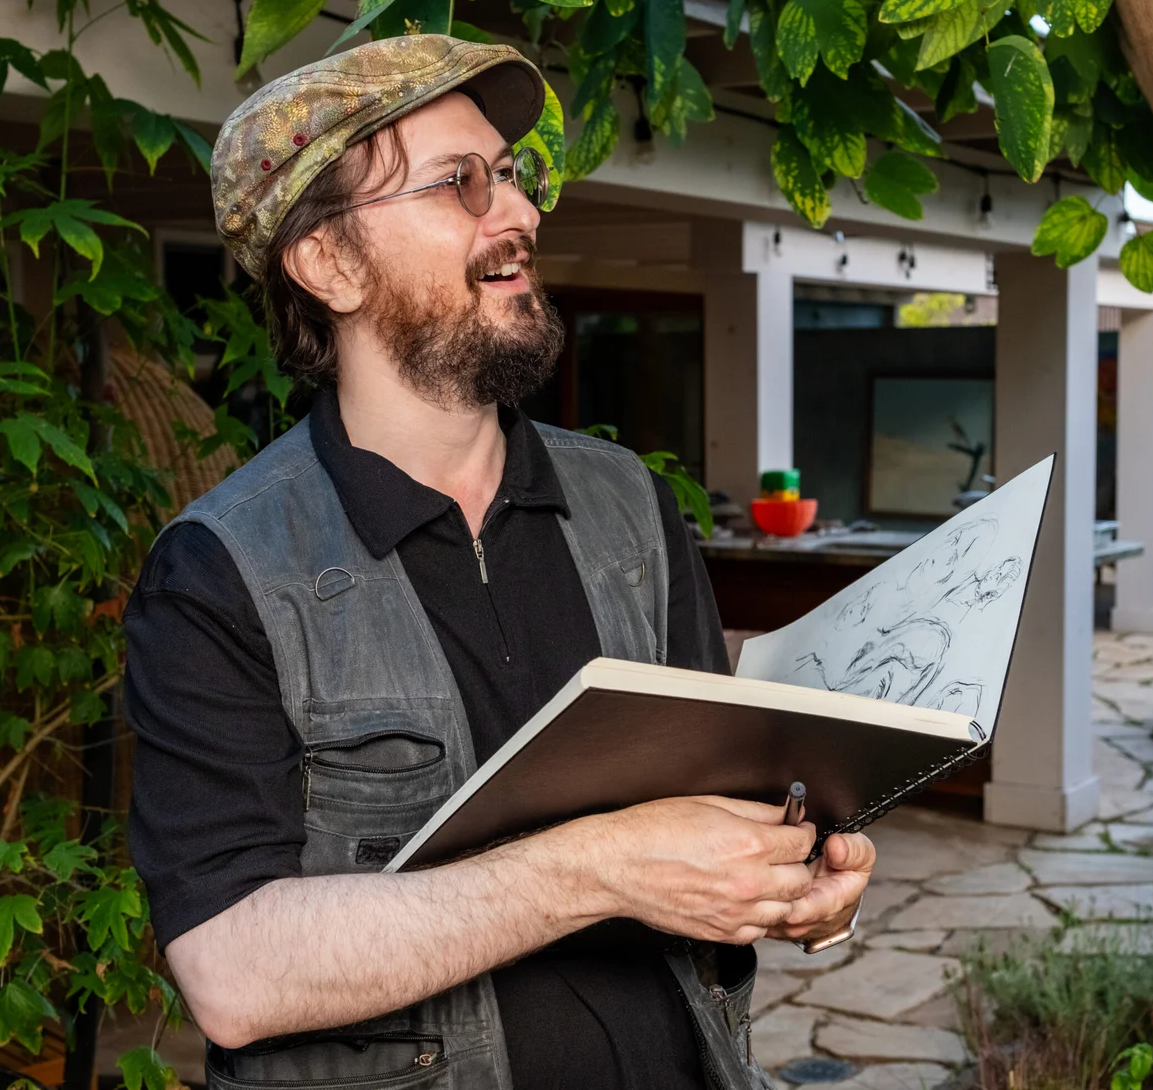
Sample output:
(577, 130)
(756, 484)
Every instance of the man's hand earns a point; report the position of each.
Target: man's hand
(840, 875)
(707, 867)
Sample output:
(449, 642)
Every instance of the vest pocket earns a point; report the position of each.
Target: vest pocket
(365, 797)
(334, 1059)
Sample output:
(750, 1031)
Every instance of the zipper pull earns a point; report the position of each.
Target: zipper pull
(306, 777)
(478, 548)
(721, 996)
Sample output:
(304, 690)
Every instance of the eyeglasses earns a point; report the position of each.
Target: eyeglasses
(475, 181)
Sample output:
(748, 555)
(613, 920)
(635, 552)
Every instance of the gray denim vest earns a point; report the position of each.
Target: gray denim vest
(365, 682)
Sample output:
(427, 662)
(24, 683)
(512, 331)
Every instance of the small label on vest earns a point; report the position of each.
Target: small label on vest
(377, 850)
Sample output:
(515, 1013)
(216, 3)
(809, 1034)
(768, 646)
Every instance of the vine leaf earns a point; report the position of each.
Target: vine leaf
(836, 30)
(733, 19)
(797, 178)
(12, 855)
(951, 31)
(153, 135)
(1104, 160)
(271, 24)
(20, 909)
(665, 43)
(596, 142)
(143, 1067)
(1137, 262)
(823, 115)
(107, 911)
(547, 136)
(1023, 96)
(68, 857)
(362, 21)
(22, 1013)
(896, 181)
(1071, 229)
(771, 73)
(905, 11)
(24, 433)
(1064, 16)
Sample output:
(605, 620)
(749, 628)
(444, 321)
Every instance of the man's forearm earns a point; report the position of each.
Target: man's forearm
(309, 953)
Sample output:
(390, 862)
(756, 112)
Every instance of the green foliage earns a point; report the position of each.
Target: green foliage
(78, 507)
(1072, 229)
(1133, 1067)
(797, 178)
(272, 23)
(1063, 1010)
(1137, 261)
(1023, 91)
(896, 181)
(547, 136)
(834, 30)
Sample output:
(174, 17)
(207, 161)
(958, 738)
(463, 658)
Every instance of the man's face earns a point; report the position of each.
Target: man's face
(454, 296)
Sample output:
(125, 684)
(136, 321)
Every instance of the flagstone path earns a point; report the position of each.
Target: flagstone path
(944, 882)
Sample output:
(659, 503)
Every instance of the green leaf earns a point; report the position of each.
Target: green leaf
(905, 11)
(23, 1011)
(1137, 262)
(59, 441)
(1143, 186)
(19, 909)
(361, 22)
(72, 664)
(13, 730)
(16, 554)
(69, 856)
(13, 855)
(200, 149)
(106, 911)
(771, 72)
(596, 141)
(896, 181)
(823, 116)
(1072, 229)
(70, 219)
(798, 179)
(664, 44)
(86, 706)
(547, 136)
(153, 134)
(733, 19)
(1023, 93)
(596, 84)
(272, 24)
(57, 605)
(834, 29)
(34, 662)
(1086, 14)
(143, 1067)
(20, 57)
(1104, 161)
(957, 95)
(466, 32)
(413, 17)
(947, 34)
(23, 441)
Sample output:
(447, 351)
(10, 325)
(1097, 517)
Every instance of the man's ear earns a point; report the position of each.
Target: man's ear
(323, 269)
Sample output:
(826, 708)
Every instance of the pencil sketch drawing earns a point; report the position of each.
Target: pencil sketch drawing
(934, 625)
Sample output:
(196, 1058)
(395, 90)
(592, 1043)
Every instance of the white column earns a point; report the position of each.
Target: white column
(1133, 607)
(1046, 399)
(774, 368)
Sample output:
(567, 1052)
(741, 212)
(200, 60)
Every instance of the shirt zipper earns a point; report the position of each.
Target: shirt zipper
(478, 552)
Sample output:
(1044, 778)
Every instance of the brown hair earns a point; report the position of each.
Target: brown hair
(302, 327)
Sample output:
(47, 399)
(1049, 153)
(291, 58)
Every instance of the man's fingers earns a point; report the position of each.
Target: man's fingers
(850, 851)
(829, 896)
(753, 811)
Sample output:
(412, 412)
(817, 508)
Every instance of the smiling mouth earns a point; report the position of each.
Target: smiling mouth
(503, 273)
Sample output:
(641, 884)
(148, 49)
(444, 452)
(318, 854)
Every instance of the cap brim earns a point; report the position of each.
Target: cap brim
(511, 96)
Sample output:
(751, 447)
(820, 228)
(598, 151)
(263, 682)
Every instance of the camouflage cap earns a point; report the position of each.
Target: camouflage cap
(278, 140)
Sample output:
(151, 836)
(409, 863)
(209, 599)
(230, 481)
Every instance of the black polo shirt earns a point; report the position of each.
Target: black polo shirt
(216, 808)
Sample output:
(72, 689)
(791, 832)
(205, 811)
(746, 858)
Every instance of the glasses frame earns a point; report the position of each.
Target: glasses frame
(526, 154)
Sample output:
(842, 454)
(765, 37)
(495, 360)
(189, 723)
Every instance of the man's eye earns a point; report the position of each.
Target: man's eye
(502, 174)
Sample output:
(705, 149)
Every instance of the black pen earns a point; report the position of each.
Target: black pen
(795, 803)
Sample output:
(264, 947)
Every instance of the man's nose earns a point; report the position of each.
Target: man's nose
(512, 210)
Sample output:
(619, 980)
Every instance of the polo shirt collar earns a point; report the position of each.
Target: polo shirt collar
(385, 505)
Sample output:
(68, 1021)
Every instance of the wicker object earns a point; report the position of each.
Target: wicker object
(151, 397)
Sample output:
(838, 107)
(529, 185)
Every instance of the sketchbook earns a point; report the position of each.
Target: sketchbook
(890, 685)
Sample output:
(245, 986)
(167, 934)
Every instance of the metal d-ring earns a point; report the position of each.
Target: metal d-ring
(316, 585)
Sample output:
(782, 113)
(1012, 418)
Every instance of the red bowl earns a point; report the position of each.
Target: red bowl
(784, 518)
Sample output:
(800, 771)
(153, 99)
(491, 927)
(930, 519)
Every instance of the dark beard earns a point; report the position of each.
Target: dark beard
(459, 360)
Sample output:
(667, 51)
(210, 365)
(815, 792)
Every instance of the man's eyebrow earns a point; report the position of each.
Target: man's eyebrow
(434, 166)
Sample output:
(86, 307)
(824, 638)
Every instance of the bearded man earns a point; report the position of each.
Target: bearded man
(324, 647)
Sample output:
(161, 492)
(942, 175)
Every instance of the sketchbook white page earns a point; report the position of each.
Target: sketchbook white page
(934, 625)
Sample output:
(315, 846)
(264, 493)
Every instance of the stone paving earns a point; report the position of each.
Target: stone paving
(943, 882)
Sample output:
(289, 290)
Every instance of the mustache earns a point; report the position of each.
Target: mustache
(502, 253)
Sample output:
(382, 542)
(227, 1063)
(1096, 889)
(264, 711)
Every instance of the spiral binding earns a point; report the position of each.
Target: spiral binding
(912, 786)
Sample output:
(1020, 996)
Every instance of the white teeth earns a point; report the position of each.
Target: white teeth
(509, 270)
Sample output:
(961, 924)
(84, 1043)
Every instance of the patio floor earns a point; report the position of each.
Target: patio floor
(942, 882)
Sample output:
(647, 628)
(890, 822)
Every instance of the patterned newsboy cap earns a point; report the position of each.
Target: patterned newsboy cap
(279, 139)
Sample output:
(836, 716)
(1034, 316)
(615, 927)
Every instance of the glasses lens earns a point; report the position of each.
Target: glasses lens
(474, 184)
(530, 173)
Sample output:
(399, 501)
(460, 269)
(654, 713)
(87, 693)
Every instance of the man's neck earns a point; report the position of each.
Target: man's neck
(457, 451)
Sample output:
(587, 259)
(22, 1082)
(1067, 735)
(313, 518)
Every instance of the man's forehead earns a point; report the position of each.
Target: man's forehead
(451, 126)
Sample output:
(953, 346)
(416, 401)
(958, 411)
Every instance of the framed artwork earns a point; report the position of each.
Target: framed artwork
(931, 437)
